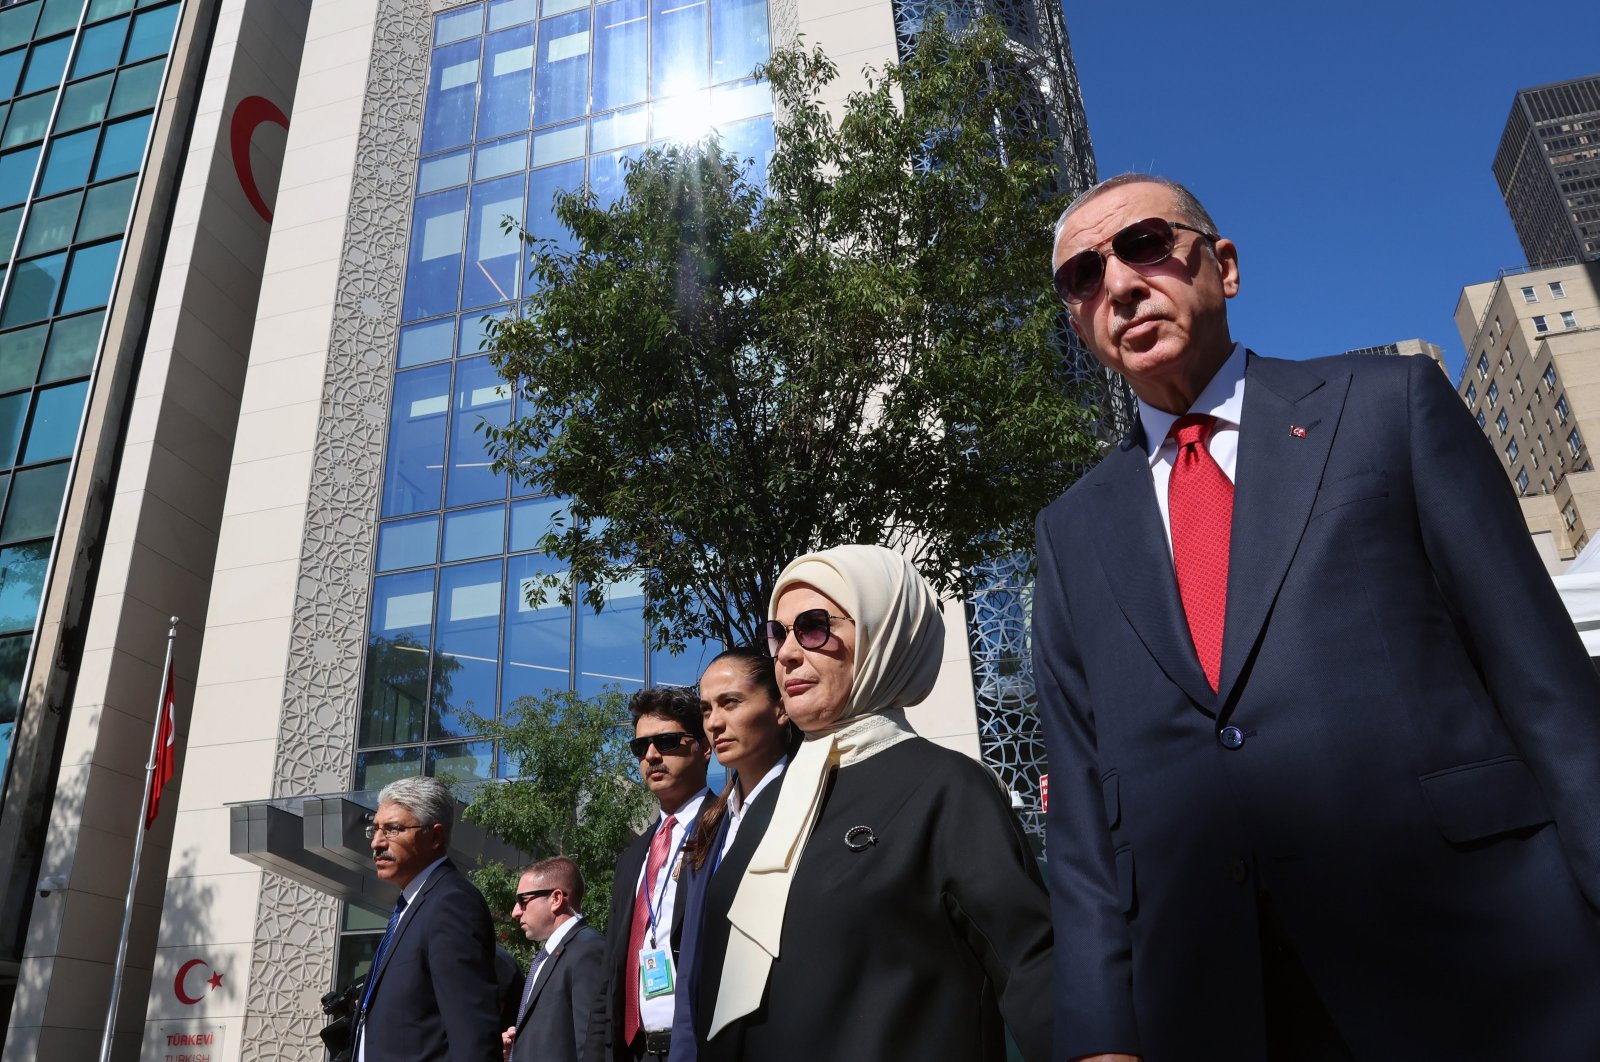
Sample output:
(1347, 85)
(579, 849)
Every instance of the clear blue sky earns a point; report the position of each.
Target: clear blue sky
(1344, 146)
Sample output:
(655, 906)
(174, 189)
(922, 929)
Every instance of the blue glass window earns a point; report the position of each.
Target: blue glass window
(452, 97)
(56, 413)
(408, 543)
(466, 647)
(481, 396)
(73, 342)
(621, 54)
(503, 105)
(100, 48)
(503, 13)
(10, 67)
(21, 579)
(137, 88)
(45, 65)
(84, 103)
(458, 25)
(531, 520)
(397, 669)
(561, 84)
(16, 24)
(433, 269)
(738, 37)
(462, 762)
(50, 224)
(34, 502)
(500, 158)
(33, 290)
(430, 341)
(89, 277)
(611, 642)
(105, 210)
(29, 118)
(18, 368)
(443, 171)
(99, 9)
(474, 331)
(678, 51)
(471, 533)
(16, 173)
(376, 769)
(538, 642)
(493, 254)
(122, 148)
(13, 412)
(67, 165)
(753, 140)
(608, 173)
(58, 16)
(558, 144)
(152, 33)
(413, 474)
(542, 188)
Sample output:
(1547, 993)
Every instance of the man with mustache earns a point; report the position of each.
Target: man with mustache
(1324, 744)
(431, 993)
(633, 1017)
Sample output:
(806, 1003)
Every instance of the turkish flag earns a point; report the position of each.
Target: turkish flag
(164, 756)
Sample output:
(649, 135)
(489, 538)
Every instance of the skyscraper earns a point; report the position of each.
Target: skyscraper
(1548, 169)
(247, 246)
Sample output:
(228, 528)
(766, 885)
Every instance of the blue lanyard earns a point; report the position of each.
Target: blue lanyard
(666, 878)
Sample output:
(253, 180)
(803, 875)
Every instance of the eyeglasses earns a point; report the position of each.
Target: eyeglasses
(812, 629)
(373, 830)
(1144, 243)
(664, 743)
(525, 898)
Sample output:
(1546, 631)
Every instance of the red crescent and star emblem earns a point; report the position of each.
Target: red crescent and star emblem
(215, 981)
(251, 113)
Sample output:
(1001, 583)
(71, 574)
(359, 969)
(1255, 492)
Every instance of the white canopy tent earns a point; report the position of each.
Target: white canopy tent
(1580, 592)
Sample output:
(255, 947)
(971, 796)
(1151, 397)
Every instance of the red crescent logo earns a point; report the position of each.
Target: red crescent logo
(177, 982)
(251, 112)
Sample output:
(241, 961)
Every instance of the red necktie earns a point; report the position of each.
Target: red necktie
(659, 844)
(1200, 510)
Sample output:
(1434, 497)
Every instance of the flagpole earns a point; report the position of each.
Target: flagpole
(138, 849)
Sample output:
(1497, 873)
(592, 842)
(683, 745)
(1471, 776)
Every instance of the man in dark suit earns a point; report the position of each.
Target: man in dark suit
(633, 1020)
(564, 980)
(1324, 745)
(431, 992)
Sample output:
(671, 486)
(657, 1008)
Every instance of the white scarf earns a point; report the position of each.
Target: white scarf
(899, 640)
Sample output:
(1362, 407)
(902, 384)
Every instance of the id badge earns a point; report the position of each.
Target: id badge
(655, 972)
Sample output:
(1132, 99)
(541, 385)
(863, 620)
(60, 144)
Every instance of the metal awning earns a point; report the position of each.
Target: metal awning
(321, 842)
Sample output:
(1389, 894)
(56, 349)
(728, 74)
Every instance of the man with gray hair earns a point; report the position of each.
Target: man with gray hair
(430, 994)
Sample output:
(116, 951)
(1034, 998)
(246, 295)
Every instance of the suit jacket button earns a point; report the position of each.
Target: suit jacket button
(1239, 871)
(1231, 737)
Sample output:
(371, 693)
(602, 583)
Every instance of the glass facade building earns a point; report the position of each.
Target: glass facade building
(1548, 169)
(79, 83)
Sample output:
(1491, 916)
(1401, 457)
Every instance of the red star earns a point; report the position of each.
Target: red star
(215, 980)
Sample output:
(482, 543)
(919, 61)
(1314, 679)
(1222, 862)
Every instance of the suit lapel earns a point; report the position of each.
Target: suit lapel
(542, 976)
(409, 919)
(1138, 563)
(1286, 430)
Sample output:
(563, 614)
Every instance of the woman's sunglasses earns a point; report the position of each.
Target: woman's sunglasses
(812, 629)
(1144, 243)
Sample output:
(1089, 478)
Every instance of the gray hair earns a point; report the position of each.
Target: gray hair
(426, 798)
(1189, 209)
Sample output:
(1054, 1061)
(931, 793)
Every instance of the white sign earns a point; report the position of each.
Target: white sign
(190, 1041)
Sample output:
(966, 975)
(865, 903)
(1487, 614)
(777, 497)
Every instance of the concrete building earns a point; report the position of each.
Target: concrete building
(1548, 169)
(245, 246)
(1407, 348)
(1532, 380)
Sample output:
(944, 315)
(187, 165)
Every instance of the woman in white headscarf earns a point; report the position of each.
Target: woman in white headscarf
(893, 909)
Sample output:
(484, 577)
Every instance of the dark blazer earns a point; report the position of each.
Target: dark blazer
(605, 1035)
(555, 1024)
(1404, 752)
(705, 923)
(434, 994)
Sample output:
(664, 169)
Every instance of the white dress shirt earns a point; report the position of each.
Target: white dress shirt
(1222, 398)
(656, 1014)
(737, 807)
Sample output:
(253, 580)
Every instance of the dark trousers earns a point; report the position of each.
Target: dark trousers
(1299, 1028)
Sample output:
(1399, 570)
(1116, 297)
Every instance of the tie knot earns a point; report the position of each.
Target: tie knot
(1192, 428)
(668, 823)
(400, 904)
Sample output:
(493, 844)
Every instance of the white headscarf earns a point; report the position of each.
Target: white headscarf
(899, 642)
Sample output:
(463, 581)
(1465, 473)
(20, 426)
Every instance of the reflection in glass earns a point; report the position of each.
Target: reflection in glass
(508, 74)
(678, 48)
(73, 341)
(56, 412)
(443, 171)
(422, 343)
(33, 290)
(542, 188)
(34, 503)
(468, 635)
(13, 411)
(374, 770)
(408, 543)
(474, 331)
(413, 473)
(84, 103)
(538, 646)
(433, 267)
(499, 158)
(753, 140)
(397, 676)
(152, 33)
(99, 47)
(122, 147)
(481, 396)
(50, 224)
(472, 533)
(458, 25)
(561, 84)
(611, 642)
(464, 762)
(68, 163)
(105, 210)
(21, 580)
(89, 277)
(452, 97)
(738, 37)
(29, 119)
(503, 13)
(45, 65)
(16, 173)
(13, 659)
(18, 368)
(137, 88)
(621, 54)
(493, 253)
(533, 519)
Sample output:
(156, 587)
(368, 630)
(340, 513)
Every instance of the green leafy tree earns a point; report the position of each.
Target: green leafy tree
(722, 376)
(574, 792)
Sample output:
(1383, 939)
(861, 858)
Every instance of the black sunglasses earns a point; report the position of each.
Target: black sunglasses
(664, 743)
(1144, 243)
(812, 629)
(525, 898)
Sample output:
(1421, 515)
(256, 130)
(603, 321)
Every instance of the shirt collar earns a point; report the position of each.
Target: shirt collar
(411, 890)
(1222, 398)
(686, 812)
(737, 806)
(562, 932)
